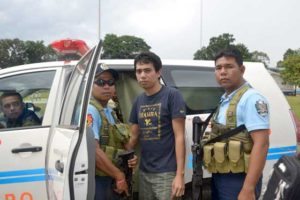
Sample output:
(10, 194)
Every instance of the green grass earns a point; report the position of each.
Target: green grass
(294, 102)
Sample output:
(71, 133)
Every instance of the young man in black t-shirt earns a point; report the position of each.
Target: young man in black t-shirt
(158, 124)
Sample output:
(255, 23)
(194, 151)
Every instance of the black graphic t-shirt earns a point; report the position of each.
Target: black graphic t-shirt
(154, 116)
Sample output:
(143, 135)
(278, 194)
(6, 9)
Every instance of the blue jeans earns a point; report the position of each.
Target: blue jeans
(104, 189)
(228, 186)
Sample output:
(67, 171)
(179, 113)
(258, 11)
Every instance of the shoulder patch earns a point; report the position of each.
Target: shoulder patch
(89, 120)
(261, 107)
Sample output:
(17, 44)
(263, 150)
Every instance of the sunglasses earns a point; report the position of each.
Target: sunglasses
(102, 83)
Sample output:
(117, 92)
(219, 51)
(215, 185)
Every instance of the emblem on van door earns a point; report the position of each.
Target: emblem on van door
(261, 107)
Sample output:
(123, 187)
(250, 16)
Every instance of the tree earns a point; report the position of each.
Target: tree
(291, 70)
(227, 40)
(258, 56)
(50, 54)
(244, 51)
(291, 52)
(17, 52)
(215, 45)
(12, 52)
(123, 47)
(279, 64)
(37, 52)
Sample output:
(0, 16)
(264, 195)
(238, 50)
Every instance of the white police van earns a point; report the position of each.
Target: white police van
(55, 160)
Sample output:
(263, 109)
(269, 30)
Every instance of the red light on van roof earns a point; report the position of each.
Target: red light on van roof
(67, 43)
(69, 46)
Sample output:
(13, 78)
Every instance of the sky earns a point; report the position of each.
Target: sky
(175, 29)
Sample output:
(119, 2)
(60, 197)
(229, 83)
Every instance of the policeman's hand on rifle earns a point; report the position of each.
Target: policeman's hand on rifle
(121, 184)
(132, 163)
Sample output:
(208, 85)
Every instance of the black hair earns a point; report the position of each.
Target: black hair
(231, 52)
(148, 57)
(10, 93)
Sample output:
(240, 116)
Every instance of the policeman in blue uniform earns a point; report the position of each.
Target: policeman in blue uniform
(241, 104)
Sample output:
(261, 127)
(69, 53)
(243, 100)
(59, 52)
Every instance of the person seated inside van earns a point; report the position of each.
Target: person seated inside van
(15, 112)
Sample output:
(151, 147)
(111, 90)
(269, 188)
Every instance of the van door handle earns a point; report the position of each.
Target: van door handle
(27, 149)
(59, 166)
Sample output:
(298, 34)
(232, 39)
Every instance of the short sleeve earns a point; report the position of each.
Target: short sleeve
(94, 120)
(133, 114)
(178, 108)
(256, 113)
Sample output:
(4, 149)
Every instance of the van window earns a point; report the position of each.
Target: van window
(34, 89)
(198, 86)
(127, 89)
(75, 94)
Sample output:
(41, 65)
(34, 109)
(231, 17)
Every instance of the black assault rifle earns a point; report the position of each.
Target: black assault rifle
(199, 128)
(123, 165)
(197, 150)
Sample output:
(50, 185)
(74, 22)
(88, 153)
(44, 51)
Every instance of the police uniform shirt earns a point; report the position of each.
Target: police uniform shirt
(252, 110)
(94, 119)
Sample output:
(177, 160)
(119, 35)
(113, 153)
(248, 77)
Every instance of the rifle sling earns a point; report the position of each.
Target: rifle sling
(227, 134)
(206, 122)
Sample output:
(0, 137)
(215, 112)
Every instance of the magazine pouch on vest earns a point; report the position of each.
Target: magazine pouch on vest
(235, 155)
(230, 154)
(112, 136)
(221, 158)
(208, 158)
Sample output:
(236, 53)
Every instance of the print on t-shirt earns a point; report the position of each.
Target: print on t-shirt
(151, 126)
